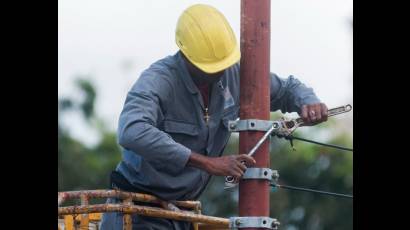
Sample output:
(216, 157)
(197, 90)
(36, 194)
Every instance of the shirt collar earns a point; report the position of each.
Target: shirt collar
(185, 76)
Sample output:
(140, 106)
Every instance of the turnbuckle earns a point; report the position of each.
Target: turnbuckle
(289, 126)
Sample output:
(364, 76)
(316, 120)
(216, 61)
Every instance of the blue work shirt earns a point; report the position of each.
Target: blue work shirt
(163, 121)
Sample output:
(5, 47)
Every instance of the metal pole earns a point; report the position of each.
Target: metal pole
(254, 99)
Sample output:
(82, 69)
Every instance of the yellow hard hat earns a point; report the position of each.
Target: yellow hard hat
(205, 37)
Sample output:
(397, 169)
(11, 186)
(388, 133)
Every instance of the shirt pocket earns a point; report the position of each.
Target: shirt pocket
(223, 134)
(182, 132)
(180, 127)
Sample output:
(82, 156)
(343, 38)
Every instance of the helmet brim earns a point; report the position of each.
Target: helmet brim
(214, 67)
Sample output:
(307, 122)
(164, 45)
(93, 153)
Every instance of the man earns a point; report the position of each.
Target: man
(173, 127)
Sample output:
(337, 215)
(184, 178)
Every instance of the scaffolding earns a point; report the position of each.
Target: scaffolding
(86, 216)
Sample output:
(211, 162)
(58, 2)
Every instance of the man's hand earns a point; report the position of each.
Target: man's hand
(222, 166)
(314, 114)
(229, 165)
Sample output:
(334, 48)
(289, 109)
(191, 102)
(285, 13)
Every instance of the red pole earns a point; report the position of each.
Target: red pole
(254, 99)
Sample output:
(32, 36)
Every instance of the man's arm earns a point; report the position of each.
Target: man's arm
(290, 95)
(137, 128)
(137, 131)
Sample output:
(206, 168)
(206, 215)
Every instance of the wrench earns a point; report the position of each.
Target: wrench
(229, 180)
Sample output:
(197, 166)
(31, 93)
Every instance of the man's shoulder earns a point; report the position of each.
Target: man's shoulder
(158, 77)
(164, 66)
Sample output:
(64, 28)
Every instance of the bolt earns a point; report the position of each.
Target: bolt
(275, 125)
(275, 175)
(238, 222)
(275, 224)
(233, 126)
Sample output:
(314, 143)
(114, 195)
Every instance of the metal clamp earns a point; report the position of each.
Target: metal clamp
(259, 173)
(255, 173)
(249, 125)
(253, 222)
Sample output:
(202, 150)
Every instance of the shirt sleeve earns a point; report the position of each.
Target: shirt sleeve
(289, 95)
(137, 129)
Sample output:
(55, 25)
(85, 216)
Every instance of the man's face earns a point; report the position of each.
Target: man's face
(200, 76)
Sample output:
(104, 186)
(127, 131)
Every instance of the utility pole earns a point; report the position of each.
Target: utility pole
(254, 100)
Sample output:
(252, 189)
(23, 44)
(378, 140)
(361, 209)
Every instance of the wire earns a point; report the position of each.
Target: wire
(312, 191)
(290, 138)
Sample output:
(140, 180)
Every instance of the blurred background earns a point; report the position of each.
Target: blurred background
(104, 45)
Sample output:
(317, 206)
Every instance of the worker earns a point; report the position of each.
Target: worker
(174, 124)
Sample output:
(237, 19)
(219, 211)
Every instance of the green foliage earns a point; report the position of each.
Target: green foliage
(87, 106)
(310, 166)
(81, 167)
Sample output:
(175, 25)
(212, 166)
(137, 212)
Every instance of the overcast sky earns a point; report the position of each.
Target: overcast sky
(113, 41)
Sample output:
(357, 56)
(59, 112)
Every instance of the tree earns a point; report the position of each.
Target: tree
(81, 167)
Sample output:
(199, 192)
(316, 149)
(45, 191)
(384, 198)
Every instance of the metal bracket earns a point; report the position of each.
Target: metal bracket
(253, 222)
(249, 125)
(255, 173)
(260, 173)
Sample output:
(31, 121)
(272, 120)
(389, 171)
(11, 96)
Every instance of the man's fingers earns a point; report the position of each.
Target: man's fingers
(241, 172)
(248, 159)
(313, 113)
(324, 111)
(242, 166)
(234, 173)
(305, 115)
(318, 109)
(237, 172)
